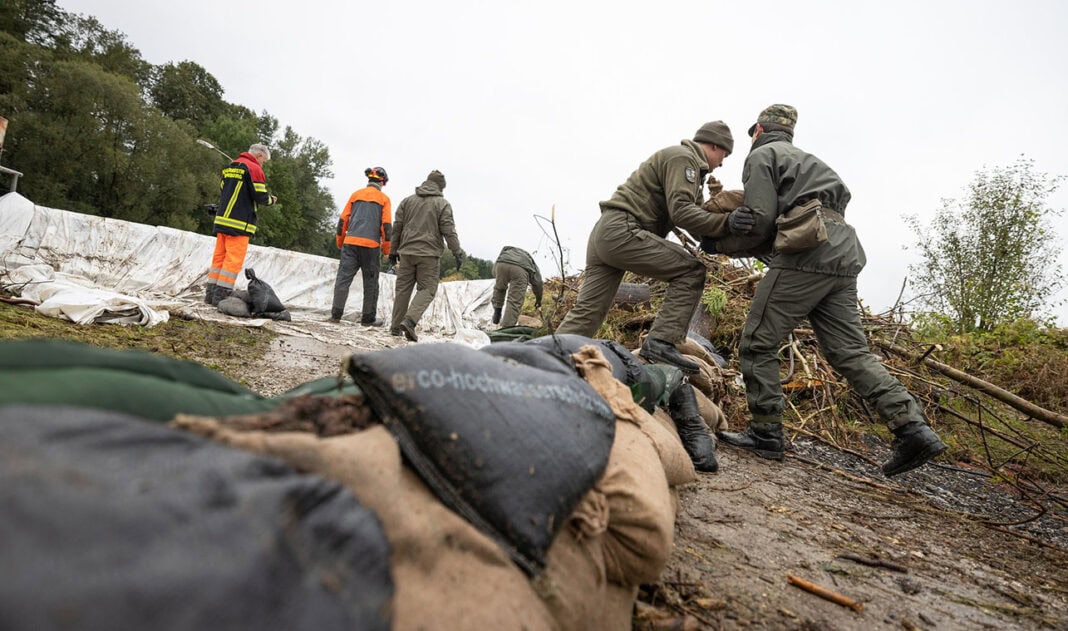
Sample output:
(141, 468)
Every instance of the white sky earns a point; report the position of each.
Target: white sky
(528, 104)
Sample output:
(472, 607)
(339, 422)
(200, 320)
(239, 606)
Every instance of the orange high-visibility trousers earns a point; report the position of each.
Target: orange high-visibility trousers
(227, 260)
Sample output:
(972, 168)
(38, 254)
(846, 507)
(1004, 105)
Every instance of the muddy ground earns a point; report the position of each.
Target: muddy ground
(740, 532)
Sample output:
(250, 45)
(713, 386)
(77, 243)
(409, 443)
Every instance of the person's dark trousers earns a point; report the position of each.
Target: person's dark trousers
(356, 258)
(782, 299)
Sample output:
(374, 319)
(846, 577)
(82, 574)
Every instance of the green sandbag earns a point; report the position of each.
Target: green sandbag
(511, 334)
(20, 355)
(156, 387)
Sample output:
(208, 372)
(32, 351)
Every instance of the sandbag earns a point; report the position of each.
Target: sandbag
(511, 334)
(447, 574)
(262, 298)
(636, 482)
(234, 306)
(543, 357)
(154, 387)
(712, 414)
(699, 346)
(646, 388)
(510, 448)
(113, 523)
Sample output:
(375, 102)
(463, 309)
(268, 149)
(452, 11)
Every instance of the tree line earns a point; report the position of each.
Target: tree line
(97, 129)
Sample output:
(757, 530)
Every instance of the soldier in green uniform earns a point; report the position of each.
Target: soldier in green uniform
(513, 271)
(662, 194)
(819, 283)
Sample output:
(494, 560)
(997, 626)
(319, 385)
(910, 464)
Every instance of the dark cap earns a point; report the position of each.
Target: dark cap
(438, 178)
(779, 115)
(715, 133)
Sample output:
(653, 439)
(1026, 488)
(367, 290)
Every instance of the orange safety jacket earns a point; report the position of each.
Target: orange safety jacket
(367, 219)
(242, 188)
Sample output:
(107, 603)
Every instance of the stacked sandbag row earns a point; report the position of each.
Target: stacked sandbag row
(513, 497)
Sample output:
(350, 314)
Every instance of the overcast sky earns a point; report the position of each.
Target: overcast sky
(524, 105)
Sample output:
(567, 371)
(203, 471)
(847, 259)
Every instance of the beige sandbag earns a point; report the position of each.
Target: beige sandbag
(641, 521)
(574, 583)
(724, 201)
(447, 574)
(693, 349)
(711, 413)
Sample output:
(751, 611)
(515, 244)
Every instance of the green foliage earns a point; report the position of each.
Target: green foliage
(98, 130)
(473, 268)
(993, 258)
(714, 299)
(1025, 357)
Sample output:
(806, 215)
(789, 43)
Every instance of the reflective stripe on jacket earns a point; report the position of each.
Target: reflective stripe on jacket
(242, 188)
(366, 219)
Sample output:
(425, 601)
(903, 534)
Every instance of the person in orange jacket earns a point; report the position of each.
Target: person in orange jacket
(363, 234)
(242, 190)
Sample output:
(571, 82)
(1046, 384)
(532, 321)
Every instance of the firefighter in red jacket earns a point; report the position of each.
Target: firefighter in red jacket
(363, 234)
(243, 190)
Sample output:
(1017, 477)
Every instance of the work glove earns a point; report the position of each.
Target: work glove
(274, 200)
(741, 221)
(714, 186)
(459, 256)
(393, 259)
(497, 315)
(537, 305)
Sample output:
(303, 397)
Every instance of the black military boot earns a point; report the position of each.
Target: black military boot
(692, 429)
(221, 293)
(408, 327)
(914, 444)
(659, 351)
(763, 439)
(373, 322)
(209, 293)
(497, 315)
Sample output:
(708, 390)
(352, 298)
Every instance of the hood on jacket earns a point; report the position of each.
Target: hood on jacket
(428, 189)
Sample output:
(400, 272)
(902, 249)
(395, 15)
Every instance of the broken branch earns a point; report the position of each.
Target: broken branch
(824, 593)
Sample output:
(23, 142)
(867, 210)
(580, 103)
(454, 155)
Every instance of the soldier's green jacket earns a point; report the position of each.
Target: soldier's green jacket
(665, 192)
(522, 258)
(778, 176)
(422, 222)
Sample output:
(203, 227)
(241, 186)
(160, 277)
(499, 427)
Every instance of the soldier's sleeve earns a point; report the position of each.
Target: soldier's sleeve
(761, 196)
(398, 229)
(536, 282)
(448, 229)
(682, 189)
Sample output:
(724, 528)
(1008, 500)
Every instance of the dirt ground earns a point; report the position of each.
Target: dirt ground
(742, 531)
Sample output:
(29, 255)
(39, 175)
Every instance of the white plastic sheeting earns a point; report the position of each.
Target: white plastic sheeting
(104, 268)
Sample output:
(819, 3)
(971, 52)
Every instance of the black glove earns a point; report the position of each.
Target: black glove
(708, 244)
(497, 315)
(393, 258)
(537, 305)
(741, 221)
(459, 256)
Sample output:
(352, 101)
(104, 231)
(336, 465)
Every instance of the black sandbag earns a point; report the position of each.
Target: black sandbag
(275, 315)
(108, 522)
(262, 298)
(234, 306)
(626, 366)
(510, 448)
(543, 357)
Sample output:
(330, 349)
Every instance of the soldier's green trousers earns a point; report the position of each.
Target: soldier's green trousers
(420, 273)
(619, 244)
(511, 280)
(782, 299)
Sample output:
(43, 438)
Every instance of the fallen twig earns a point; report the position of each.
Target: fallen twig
(824, 593)
(874, 562)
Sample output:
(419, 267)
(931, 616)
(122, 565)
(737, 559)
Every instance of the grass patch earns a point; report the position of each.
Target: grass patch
(218, 346)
